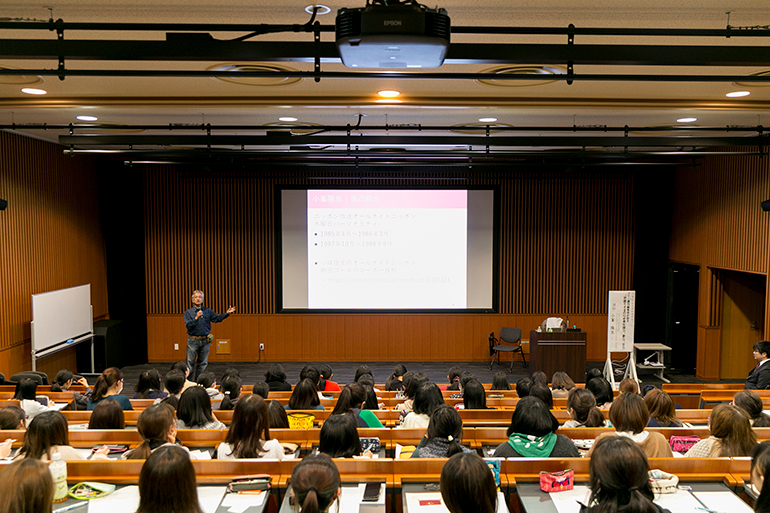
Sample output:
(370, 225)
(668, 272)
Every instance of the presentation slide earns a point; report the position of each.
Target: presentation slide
(387, 249)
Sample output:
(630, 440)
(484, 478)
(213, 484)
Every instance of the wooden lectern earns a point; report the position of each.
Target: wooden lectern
(558, 351)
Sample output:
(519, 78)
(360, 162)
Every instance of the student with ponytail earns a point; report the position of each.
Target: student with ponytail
(581, 405)
(109, 384)
(157, 427)
(619, 478)
(395, 380)
(231, 388)
(760, 468)
(445, 434)
(315, 483)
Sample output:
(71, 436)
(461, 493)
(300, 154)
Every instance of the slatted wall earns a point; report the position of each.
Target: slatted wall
(565, 241)
(50, 238)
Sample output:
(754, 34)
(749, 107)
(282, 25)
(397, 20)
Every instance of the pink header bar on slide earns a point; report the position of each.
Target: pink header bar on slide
(347, 198)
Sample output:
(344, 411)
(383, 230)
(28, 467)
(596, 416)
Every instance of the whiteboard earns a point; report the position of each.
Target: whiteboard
(60, 315)
(621, 318)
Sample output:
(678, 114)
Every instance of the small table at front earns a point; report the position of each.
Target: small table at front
(659, 349)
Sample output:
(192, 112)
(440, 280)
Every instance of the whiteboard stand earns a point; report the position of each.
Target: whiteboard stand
(631, 368)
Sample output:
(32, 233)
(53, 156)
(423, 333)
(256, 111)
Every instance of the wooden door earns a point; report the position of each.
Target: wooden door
(742, 322)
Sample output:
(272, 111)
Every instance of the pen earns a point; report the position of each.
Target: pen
(706, 509)
(69, 508)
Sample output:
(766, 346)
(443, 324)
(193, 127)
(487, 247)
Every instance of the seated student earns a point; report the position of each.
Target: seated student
(149, 386)
(427, 398)
(157, 427)
(107, 415)
(474, 396)
(185, 370)
(304, 397)
(275, 378)
(26, 391)
(581, 406)
(500, 381)
(760, 467)
(750, 402)
(209, 382)
(232, 386)
(168, 468)
(662, 410)
(339, 437)
(561, 385)
(412, 381)
(315, 484)
(175, 384)
(26, 487)
(602, 391)
(619, 478)
(109, 384)
(731, 435)
(361, 370)
(327, 374)
(523, 386)
(444, 436)
(261, 389)
(467, 485)
(47, 434)
(465, 377)
(454, 378)
(629, 417)
(351, 400)
(628, 386)
(311, 373)
(64, 380)
(12, 417)
(539, 378)
(395, 380)
(593, 373)
(194, 411)
(371, 396)
(278, 417)
(531, 434)
(543, 393)
(249, 433)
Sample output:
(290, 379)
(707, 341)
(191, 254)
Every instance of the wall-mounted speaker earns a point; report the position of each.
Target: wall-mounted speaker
(4, 203)
(765, 205)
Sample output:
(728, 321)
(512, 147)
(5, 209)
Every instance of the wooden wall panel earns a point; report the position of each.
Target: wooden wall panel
(50, 238)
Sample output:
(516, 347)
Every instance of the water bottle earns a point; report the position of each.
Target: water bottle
(59, 472)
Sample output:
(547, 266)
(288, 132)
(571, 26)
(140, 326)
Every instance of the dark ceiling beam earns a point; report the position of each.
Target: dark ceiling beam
(279, 139)
(193, 48)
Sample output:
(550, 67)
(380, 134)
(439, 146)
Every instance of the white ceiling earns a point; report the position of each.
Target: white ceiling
(427, 102)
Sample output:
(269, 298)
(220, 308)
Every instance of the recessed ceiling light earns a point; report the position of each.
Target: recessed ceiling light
(288, 119)
(737, 94)
(322, 9)
(30, 90)
(86, 118)
(487, 120)
(388, 100)
(388, 94)
(686, 120)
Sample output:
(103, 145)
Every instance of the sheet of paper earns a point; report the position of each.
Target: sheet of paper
(200, 455)
(723, 501)
(680, 501)
(567, 502)
(238, 503)
(413, 503)
(209, 497)
(124, 500)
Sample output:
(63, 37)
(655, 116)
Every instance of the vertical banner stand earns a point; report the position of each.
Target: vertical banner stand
(621, 319)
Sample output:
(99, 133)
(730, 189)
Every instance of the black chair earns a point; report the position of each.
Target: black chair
(509, 336)
(41, 378)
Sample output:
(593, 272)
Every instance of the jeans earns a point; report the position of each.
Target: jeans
(197, 349)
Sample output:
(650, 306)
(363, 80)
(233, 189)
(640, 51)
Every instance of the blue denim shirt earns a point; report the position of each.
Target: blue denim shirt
(202, 326)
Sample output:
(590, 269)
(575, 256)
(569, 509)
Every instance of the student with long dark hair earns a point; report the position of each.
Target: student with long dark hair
(760, 470)
(157, 427)
(232, 386)
(395, 380)
(47, 434)
(275, 378)
(500, 381)
(453, 376)
(107, 414)
(168, 468)
(467, 485)
(277, 414)
(581, 406)
(109, 384)
(474, 396)
(194, 411)
(149, 386)
(315, 483)
(531, 434)
(619, 478)
(444, 436)
(64, 380)
(249, 433)
(351, 400)
(602, 391)
(304, 397)
(339, 437)
(427, 399)
(26, 487)
(26, 391)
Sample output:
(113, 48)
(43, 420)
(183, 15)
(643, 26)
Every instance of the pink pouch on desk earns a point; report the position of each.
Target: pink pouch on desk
(557, 481)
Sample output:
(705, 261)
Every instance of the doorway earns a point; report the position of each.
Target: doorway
(743, 307)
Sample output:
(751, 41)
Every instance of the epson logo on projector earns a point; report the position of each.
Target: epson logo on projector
(392, 23)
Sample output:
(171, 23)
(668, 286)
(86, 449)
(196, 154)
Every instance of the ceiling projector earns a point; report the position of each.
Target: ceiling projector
(398, 35)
